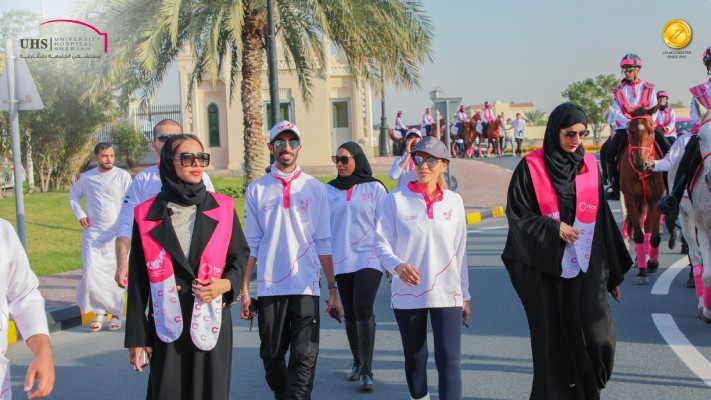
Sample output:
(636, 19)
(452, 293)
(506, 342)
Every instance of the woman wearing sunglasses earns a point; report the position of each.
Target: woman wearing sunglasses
(421, 239)
(354, 197)
(630, 94)
(188, 255)
(564, 253)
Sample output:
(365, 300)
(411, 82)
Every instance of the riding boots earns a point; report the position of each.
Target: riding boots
(366, 339)
(613, 191)
(352, 334)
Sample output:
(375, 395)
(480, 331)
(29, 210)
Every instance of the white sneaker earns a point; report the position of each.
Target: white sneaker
(427, 397)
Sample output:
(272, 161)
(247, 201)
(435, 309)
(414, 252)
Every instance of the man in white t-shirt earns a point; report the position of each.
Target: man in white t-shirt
(403, 169)
(287, 225)
(20, 297)
(145, 185)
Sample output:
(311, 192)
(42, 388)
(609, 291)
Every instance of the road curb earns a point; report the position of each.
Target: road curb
(71, 316)
(476, 217)
(57, 320)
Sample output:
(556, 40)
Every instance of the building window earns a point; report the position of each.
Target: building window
(213, 125)
(284, 113)
(339, 114)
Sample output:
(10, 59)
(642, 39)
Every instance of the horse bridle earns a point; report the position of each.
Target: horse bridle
(650, 149)
(643, 175)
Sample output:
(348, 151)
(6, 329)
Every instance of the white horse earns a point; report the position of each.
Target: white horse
(701, 200)
(687, 220)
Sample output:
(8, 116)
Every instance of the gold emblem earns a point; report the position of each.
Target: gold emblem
(676, 34)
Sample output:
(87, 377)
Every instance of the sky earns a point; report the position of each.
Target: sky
(528, 51)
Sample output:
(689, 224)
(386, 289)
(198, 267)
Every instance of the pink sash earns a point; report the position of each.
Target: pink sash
(577, 255)
(644, 100)
(207, 317)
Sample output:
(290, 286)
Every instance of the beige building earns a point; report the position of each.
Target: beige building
(340, 111)
(508, 109)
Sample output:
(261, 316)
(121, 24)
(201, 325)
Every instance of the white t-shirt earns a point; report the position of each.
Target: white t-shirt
(432, 238)
(19, 296)
(145, 185)
(287, 241)
(353, 226)
(403, 175)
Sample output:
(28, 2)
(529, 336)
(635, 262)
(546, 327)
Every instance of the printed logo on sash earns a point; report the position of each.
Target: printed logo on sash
(576, 256)
(207, 317)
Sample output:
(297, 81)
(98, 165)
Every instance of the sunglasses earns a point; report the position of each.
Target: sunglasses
(629, 69)
(431, 161)
(341, 159)
(188, 159)
(280, 144)
(582, 134)
(164, 136)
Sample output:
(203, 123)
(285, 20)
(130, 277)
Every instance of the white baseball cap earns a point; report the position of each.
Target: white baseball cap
(283, 126)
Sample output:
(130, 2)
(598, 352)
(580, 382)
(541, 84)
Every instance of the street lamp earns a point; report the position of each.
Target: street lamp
(446, 106)
(384, 144)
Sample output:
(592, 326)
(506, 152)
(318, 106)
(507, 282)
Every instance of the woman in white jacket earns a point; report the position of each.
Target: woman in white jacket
(421, 239)
(354, 197)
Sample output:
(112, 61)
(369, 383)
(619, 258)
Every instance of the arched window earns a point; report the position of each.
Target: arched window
(213, 125)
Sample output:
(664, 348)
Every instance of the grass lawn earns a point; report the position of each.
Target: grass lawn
(54, 235)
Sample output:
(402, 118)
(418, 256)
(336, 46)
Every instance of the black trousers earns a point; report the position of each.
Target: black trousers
(519, 142)
(428, 129)
(358, 290)
(289, 323)
(484, 129)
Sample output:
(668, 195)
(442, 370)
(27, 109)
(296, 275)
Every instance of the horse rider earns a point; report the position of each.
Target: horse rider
(427, 122)
(461, 120)
(487, 117)
(666, 118)
(631, 93)
(691, 160)
(614, 126)
(399, 126)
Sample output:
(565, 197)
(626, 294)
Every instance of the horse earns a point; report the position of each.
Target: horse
(642, 189)
(701, 201)
(494, 136)
(469, 134)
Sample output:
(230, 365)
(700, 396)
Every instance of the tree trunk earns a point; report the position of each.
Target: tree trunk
(30, 165)
(255, 159)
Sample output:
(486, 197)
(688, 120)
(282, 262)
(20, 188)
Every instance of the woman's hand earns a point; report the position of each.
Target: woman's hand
(207, 290)
(568, 233)
(134, 356)
(615, 293)
(408, 274)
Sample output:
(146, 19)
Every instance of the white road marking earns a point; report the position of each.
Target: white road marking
(682, 347)
(661, 286)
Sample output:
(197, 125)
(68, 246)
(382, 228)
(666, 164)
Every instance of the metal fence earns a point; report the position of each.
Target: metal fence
(143, 120)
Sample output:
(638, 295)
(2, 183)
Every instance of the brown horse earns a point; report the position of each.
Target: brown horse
(492, 135)
(642, 189)
(469, 134)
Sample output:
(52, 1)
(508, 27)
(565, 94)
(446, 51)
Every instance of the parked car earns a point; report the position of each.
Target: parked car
(683, 125)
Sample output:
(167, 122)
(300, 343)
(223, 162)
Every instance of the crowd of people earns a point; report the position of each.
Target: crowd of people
(179, 251)
(511, 131)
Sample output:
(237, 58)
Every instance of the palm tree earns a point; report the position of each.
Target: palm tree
(535, 117)
(380, 38)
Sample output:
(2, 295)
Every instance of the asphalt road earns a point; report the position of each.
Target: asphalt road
(496, 358)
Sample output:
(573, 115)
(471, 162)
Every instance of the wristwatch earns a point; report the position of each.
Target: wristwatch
(333, 285)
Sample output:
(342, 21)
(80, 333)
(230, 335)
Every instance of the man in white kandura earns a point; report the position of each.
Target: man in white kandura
(103, 188)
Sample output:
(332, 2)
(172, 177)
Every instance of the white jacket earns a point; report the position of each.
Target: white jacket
(432, 238)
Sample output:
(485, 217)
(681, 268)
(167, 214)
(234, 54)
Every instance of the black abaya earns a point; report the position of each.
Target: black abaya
(572, 334)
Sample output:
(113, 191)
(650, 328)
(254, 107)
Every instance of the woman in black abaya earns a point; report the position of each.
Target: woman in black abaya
(572, 334)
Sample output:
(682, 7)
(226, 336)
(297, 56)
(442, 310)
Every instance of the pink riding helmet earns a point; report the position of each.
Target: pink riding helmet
(631, 60)
(662, 94)
(707, 56)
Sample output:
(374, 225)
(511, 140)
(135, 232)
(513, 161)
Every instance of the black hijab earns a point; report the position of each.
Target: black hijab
(175, 189)
(563, 166)
(362, 173)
